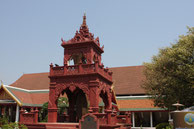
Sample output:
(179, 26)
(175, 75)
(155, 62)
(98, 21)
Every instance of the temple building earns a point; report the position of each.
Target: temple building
(33, 90)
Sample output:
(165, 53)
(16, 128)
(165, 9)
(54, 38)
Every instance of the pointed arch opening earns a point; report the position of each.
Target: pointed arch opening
(81, 104)
(63, 106)
(72, 105)
(103, 102)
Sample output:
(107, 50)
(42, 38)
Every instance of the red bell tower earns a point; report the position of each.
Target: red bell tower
(82, 77)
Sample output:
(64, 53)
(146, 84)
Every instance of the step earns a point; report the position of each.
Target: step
(62, 125)
(53, 126)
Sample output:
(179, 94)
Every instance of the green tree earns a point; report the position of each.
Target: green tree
(62, 105)
(43, 114)
(170, 75)
(4, 124)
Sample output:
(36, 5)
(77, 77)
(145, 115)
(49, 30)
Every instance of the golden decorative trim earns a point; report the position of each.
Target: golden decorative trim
(9, 93)
(1, 83)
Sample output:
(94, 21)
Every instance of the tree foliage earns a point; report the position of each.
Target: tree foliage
(62, 105)
(170, 75)
(4, 124)
(43, 114)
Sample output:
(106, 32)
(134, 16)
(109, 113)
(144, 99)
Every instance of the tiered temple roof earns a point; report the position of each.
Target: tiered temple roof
(33, 89)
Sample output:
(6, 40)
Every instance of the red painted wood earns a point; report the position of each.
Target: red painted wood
(87, 74)
(86, 77)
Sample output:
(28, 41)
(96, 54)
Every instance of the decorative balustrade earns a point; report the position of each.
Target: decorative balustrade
(124, 118)
(59, 70)
(121, 118)
(29, 117)
(101, 117)
(80, 69)
(72, 69)
(110, 117)
(88, 68)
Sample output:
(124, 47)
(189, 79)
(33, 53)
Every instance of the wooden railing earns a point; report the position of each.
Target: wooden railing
(80, 69)
(72, 70)
(58, 70)
(29, 117)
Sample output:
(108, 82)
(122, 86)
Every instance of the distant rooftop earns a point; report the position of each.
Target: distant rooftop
(127, 80)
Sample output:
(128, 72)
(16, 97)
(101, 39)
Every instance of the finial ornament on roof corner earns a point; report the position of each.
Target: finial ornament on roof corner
(1, 83)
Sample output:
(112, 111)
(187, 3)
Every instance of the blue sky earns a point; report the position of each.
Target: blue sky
(132, 31)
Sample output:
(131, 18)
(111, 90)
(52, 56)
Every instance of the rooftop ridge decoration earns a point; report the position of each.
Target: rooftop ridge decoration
(83, 35)
(26, 90)
(1, 83)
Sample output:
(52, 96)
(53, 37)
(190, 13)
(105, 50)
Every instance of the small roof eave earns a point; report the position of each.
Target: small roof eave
(142, 109)
(7, 101)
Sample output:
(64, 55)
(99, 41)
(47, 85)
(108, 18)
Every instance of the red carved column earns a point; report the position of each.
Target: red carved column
(65, 65)
(128, 117)
(65, 69)
(52, 107)
(65, 60)
(94, 96)
(96, 65)
(80, 69)
(108, 113)
(115, 116)
(51, 69)
(21, 114)
(90, 56)
(109, 100)
(36, 115)
(32, 110)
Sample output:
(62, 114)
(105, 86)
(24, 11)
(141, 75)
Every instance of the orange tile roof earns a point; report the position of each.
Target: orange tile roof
(32, 81)
(127, 80)
(136, 104)
(29, 97)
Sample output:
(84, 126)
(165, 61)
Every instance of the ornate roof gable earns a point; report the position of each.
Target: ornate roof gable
(82, 35)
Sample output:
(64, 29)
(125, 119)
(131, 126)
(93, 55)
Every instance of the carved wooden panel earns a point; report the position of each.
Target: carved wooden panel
(4, 95)
(28, 118)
